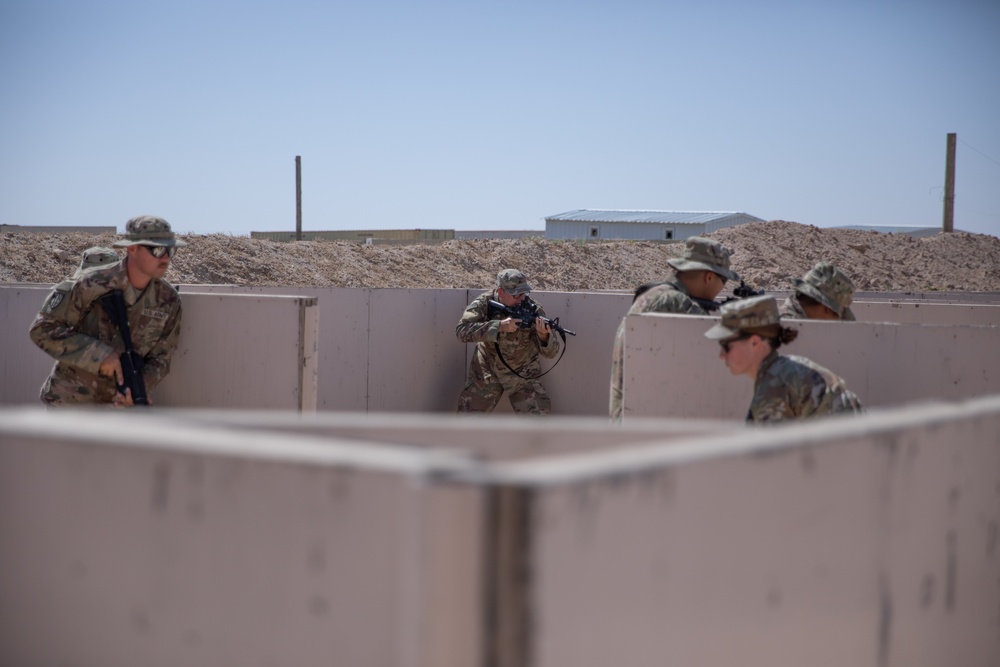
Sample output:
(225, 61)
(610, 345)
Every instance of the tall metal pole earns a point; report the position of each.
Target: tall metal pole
(949, 186)
(298, 197)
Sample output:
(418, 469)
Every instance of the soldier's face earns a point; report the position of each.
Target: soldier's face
(509, 300)
(154, 267)
(817, 311)
(739, 355)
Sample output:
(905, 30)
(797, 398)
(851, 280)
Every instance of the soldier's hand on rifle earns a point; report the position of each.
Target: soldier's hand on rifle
(509, 324)
(122, 400)
(543, 329)
(125, 400)
(111, 367)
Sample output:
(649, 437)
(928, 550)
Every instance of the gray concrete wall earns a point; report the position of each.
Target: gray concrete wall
(274, 368)
(394, 350)
(141, 541)
(672, 370)
(927, 313)
(871, 544)
(166, 538)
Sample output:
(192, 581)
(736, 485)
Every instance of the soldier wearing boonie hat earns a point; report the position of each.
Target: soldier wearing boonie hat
(91, 258)
(785, 387)
(823, 293)
(76, 331)
(700, 273)
(95, 257)
(496, 334)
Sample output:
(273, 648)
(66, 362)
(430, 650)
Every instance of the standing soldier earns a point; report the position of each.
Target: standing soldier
(506, 355)
(784, 387)
(77, 332)
(700, 272)
(824, 293)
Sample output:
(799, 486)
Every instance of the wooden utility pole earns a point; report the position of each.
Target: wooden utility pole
(298, 197)
(949, 186)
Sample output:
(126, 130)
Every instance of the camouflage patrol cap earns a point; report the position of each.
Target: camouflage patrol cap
(701, 254)
(828, 285)
(95, 257)
(148, 230)
(513, 282)
(746, 316)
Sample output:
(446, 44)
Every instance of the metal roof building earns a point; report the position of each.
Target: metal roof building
(602, 224)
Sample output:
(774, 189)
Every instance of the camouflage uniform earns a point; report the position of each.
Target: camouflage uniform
(826, 284)
(76, 331)
(488, 377)
(668, 297)
(786, 387)
(91, 258)
(790, 387)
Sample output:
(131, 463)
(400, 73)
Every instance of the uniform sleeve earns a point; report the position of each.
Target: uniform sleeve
(666, 301)
(56, 331)
(791, 309)
(475, 327)
(156, 363)
(617, 355)
(772, 405)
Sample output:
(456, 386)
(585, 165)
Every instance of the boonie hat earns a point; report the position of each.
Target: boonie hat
(745, 315)
(148, 230)
(701, 254)
(95, 257)
(513, 282)
(829, 286)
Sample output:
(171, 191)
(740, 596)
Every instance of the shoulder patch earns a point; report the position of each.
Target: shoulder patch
(54, 300)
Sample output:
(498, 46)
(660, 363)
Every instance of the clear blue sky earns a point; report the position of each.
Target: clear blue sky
(492, 115)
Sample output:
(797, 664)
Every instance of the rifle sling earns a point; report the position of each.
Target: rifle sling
(500, 354)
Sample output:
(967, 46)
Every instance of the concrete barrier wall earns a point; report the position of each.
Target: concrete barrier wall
(245, 351)
(870, 541)
(23, 367)
(927, 313)
(815, 545)
(672, 370)
(234, 352)
(135, 540)
(394, 350)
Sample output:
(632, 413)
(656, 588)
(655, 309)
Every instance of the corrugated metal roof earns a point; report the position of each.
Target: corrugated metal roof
(677, 217)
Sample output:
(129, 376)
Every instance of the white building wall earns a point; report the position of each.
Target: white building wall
(638, 231)
(634, 231)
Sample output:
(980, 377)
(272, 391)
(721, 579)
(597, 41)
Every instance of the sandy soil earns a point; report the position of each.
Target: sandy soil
(765, 254)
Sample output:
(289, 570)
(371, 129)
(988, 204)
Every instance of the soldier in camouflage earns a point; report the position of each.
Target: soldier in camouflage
(824, 293)
(785, 387)
(76, 331)
(700, 272)
(90, 259)
(496, 334)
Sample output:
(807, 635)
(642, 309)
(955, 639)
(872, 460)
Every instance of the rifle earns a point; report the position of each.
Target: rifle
(744, 291)
(132, 363)
(525, 311)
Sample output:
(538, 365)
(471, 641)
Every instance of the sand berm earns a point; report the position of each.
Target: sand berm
(766, 255)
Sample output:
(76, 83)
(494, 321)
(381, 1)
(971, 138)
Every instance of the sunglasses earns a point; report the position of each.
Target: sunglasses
(724, 344)
(159, 251)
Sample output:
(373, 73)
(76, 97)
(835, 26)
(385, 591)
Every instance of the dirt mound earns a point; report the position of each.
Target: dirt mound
(765, 254)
